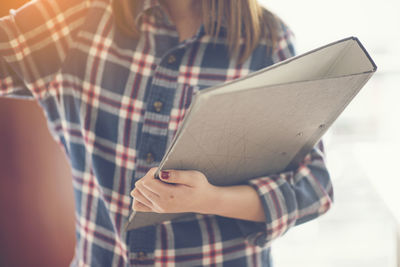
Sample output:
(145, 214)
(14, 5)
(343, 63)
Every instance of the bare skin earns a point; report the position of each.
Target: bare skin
(190, 191)
(186, 16)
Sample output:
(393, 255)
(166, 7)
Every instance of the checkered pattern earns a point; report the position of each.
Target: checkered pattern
(98, 88)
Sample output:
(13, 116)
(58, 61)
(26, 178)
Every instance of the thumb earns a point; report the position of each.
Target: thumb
(178, 177)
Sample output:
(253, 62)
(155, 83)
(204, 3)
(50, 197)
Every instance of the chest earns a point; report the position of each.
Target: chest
(123, 99)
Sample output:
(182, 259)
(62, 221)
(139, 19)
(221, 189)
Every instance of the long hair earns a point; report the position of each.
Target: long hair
(245, 20)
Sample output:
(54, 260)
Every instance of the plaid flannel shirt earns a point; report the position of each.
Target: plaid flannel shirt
(114, 103)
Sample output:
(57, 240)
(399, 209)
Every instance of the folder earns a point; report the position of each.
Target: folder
(266, 122)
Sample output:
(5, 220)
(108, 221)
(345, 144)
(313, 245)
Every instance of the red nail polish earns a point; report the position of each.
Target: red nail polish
(165, 175)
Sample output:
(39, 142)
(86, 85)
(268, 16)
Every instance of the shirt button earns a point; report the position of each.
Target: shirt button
(158, 106)
(149, 158)
(171, 59)
(141, 255)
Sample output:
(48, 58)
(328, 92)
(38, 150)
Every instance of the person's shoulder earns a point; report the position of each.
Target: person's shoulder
(277, 37)
(275, 25)
(36, 37)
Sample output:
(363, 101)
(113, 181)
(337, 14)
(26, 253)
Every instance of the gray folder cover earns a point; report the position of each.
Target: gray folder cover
(266, 122)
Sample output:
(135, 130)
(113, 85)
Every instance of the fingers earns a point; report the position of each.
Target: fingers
(148, 181)
(154, 185)
(144, 196)
(168, 194)
(152, 172)
(147, 191)
(139, 206)
(188, 178)
(138, 196)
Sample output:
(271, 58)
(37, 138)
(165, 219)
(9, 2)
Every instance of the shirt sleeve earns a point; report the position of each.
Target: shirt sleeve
(293, 197)
(34, 41)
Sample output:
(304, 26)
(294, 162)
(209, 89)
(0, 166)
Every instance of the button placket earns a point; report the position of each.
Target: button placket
(157, 109)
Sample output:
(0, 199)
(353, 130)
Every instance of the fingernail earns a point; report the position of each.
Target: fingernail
(165, 175)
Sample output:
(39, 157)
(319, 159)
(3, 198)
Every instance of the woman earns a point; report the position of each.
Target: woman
(115, 79)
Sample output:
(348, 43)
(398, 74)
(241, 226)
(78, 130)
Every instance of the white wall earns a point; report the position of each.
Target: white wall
(316, 22)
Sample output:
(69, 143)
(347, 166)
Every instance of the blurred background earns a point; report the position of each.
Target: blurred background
(36, 201)
(362, 229)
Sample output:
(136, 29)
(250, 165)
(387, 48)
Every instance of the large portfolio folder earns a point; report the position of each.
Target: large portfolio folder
(266, 122)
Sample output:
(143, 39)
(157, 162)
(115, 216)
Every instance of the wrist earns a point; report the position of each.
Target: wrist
(240, 202)
(212, 201)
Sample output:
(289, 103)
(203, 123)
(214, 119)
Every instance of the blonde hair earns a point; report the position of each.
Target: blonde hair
(243, 19)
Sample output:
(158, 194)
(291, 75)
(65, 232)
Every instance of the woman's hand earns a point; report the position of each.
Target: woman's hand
(176, 192)
(190, 191)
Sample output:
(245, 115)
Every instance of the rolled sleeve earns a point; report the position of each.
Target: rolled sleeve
(291, 198)
(34, 41)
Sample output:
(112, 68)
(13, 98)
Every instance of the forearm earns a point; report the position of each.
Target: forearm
(239, 202)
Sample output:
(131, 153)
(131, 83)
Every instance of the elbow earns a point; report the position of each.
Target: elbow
(326, 202)
(315, 195)
(325, 192)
